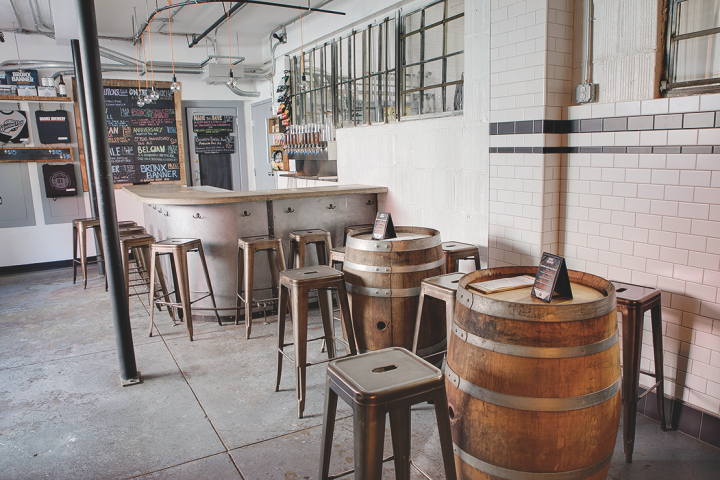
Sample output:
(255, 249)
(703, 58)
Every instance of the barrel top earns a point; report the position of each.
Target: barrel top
(593, 296)
(408, 239)
(400, 236)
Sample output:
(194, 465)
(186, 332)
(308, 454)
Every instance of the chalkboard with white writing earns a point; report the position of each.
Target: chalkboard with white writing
(144, 141)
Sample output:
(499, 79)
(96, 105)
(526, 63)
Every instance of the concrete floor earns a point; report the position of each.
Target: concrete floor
(205, 409)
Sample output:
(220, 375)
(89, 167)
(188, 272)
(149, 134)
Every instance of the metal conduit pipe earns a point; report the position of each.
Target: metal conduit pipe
(242, 93)
(15, 12)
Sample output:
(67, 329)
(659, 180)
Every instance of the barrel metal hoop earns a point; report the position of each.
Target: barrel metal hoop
(402, 269)
(438, 347)
(398, 245)
(536, 352)
(382, 292)
(533, 404)
(510, 474)
(543, 313)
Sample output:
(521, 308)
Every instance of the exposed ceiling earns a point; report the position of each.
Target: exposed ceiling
(114, 17)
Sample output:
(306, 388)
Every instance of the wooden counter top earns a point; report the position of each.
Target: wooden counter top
(180, 195)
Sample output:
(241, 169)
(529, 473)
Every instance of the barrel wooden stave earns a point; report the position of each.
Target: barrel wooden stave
(523, 440)
(382, 322)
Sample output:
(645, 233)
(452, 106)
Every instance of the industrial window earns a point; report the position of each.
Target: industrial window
(433, 58)
(353, 80)
(693, 46)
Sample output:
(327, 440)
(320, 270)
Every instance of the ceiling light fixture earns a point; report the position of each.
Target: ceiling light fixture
(175, 87)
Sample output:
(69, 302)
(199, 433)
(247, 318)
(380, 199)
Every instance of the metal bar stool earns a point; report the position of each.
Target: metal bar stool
(131, 230)
(247, 247)
(352, 228)
(443, 288)
(455, 251)
(178, 249)
(375, 384)
(80, 227)
(337, 255)
(295, 286)
(299, 239)
(140, 245)
(632, 302)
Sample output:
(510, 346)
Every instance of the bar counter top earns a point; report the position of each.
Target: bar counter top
(205, 195)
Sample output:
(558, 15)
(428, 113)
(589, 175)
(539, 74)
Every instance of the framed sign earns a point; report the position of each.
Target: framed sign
(552, 277)
(213, 124)
(214, 144)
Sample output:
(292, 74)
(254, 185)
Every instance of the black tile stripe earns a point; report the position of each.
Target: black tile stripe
(634, 123)
(692, 149)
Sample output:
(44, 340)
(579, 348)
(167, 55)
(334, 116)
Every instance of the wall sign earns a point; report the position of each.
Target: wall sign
(32, 154)
(552, 277)
(59, 180)
(213, 124)
(215, 144)
(144, 142)
(22, 77)
(383, 227)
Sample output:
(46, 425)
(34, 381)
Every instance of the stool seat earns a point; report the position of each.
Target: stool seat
(136, 239)
(375, 384)
(632, 303)
(247, 247)
(311, 235)
(299, 239)
(455, 251)
(122, 231)
(337, 255)
(170, 243)
(79, 228)
(303, 276)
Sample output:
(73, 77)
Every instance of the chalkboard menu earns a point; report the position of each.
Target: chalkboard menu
(32, 154)
(145, 145)
(214, 144)
(213, 124)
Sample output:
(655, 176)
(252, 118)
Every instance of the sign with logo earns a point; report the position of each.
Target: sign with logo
(59, 180)
(552, 277)
(383, 227)
(22, 77)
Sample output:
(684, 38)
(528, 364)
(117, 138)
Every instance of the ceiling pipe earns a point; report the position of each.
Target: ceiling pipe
(217, 24)
(199, 2)
(15, 12)
(242, 93)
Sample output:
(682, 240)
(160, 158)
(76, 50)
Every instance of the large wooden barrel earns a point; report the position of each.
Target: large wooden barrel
(383, 283)
(534, 388)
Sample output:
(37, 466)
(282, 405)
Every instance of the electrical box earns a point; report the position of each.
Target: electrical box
(214, 73)
(585, 93)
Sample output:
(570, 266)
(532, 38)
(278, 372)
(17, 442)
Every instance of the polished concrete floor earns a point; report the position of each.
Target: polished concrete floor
(206, 409)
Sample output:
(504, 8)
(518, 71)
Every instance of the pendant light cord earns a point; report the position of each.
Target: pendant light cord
(152, 68)
(172, 53)
(144, 60)
(228, 31)
(137, 63)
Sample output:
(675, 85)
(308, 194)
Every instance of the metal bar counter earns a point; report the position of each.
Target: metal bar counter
(219, 217)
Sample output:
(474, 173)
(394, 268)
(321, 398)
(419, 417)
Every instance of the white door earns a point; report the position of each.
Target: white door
(264, 176)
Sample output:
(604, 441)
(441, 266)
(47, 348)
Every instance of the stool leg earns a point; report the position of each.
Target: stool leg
(443, 423)
(154, 263)
(322, 253)
(240, 277)
(274, 271)
(153, 271)
(477, 261)
(100, 252)
(448, 262)
(125, 254)
(207, 279)
(282, 308)
(632, 325)
(656, 319)
(328, 427)
(83, 254)
(75, 248)
(300, 314)
(326, 312)
(248, 274)
(400, 433)
(418, 318)
(369, 432)
(176, 286)
(345, 316)
(449, 318)
(183, 285)
(300, 254)
(291, 255)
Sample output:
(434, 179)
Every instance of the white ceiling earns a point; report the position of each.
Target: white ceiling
(114, 17)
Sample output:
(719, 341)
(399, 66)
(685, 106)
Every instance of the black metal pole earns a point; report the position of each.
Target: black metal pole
(97, 127)
(233, 9)
(82, 109)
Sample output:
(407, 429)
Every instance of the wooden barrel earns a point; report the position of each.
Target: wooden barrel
(534, 388)
(383, 283)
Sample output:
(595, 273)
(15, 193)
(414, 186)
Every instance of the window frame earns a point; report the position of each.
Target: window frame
(690, 87)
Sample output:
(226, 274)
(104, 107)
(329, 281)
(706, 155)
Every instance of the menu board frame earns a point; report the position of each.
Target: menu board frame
(178, 124)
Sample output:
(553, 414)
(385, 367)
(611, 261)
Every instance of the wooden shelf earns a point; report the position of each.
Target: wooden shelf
(18, 98)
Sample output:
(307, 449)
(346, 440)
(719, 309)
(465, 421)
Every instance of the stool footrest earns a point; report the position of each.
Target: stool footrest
(649, 390)
(348, 472)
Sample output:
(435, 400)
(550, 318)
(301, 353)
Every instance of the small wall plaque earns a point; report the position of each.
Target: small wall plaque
(384, 227)
(552, 277)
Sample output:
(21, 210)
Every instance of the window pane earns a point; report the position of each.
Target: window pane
(390, 99)
(358, 54)
(455, 7)
(412, 77)
(412, 104)
(346, 102)
(434, 14)
(455, 35)
(373, 48)
(433, 43)
(412, 49)
(411, 22)
(432, 100)
(454, 98)
(455, 67)
(698, 58)
(696, 15)
(433, 73)
(390, 37)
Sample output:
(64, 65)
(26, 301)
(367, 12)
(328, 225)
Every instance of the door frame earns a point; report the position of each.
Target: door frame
(264, 129)
(241, 142)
